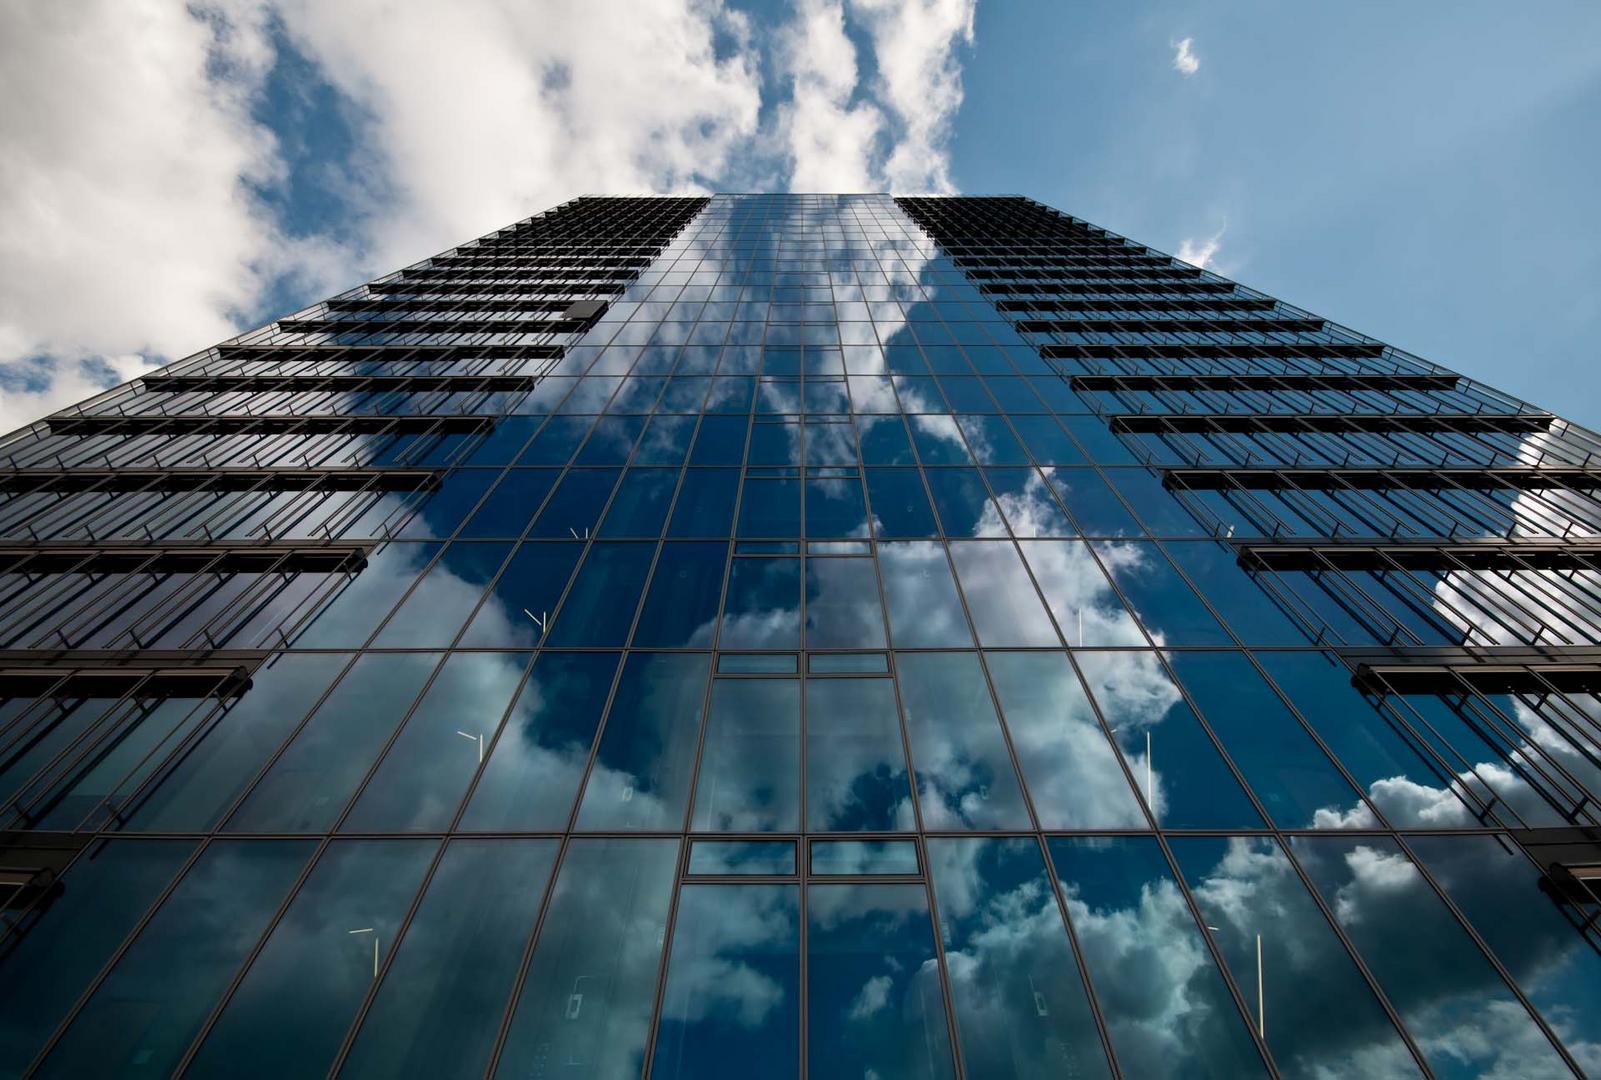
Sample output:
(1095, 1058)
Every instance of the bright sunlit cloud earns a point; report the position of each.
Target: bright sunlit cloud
(145, 149)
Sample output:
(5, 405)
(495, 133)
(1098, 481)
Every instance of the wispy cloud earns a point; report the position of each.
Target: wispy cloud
(1185, 62)
(1201, 251)
(136, 144)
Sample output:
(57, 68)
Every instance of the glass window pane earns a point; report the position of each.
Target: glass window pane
(58, 947)
(1026, 501)
(681, 607)
(1504, 897)
(884, 439)
(924, 608)
(442, 601)
(318, 964)
(1086, 608)
(762, 610)
(1447, 993)
(900, 505)
(421, 780)
(639, 509)
(1166, 1005)
(438, 1009)
(731, 1006)
(524, 597)
(964, 773)
(735, 857)
(852, 857)
(1001, 599)
(856, 777)
(705, 505)
(152, 1004)
(874, 1003)
(963, 503)
(750, 765)
(1021, 1008)
(641, 775)
(770, 506)
(574, 508)
(834, 507)
(586, 1000)
(511, 504)
(1176, 767)
(1162, 601)
(539, 758)
(349, 619)
(842, 608)
(1098, 511)
(1072, 773)
(1317, 1012)
(1290, 774)
(599, 609)
(201, 784)
(307, 787)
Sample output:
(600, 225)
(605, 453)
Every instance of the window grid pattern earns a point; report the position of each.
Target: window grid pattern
(929, 637)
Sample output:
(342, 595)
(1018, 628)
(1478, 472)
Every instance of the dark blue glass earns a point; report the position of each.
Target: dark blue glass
(720, 441)
(1098, 511)
(556, 441)
(350, 618)
(511, 504)
(884, 440)
(681, 607)
(1292, 777)
(665, 441)
(1027, 503)
(1046, 441)
(834, 507)
(518, 607)
(705, 505)
(762, 609)
(599, 609)
(612, 441)
(731, 1005)
(900, 504)
(639, 509)
(1165, 605)
(770, 506)
(963, 503)
(641, 775)
(574, 508)
(874, 1004)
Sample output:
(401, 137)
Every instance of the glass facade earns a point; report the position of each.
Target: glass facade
(780, 635)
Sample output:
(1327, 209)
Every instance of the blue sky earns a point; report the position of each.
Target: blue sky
(172, 173)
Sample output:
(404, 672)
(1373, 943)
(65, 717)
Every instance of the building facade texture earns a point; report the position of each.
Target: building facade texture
(765, 635)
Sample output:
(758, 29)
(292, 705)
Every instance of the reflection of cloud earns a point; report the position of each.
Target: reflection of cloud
(719, 929)
(872, 998)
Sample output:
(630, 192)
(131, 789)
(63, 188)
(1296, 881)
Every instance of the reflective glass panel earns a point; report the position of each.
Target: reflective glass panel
(856, 778)
(591, 983)
(731, 1005)
(964, 773)
(1021, 1007)
(874, 1001)
(641, 775)
(750, 764)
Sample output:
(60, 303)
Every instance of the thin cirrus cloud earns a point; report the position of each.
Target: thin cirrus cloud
(140, 151)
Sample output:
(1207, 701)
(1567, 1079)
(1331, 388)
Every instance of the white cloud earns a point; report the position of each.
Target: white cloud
(1203, 251)
(131, 149)
(1185, 62)
(126, 224)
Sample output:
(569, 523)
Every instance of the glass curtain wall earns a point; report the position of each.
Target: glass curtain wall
(828, 635)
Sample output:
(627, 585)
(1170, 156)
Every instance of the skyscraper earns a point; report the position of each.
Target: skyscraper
(772, 634)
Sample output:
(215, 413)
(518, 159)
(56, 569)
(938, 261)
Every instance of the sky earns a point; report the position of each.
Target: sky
(172, 174)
